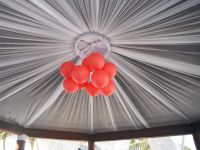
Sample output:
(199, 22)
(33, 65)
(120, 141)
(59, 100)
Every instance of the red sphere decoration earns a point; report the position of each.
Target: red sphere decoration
(110, 68)
(96, 60)
(109, 89)
(100, 79)
(70, 86)
(87, 63)
(66, 68)
(82, 86)
(92, 90)
(80, 74)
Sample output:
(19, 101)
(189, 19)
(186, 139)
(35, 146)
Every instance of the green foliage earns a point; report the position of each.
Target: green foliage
(141, 144)
(3, 136)
(32, 142)
(186, 148)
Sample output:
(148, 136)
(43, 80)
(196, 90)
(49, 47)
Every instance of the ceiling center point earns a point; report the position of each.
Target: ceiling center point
(90, 42)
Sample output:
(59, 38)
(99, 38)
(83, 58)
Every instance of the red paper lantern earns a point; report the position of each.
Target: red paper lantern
(110, 68)
(82, 86)
(100, 78)
(80, 74)
(109, 89)
(92, 90)
(66, 68)
(96, 61)
(87, 63)
(70, 86)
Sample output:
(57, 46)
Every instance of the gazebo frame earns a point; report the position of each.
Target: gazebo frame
(193, 128)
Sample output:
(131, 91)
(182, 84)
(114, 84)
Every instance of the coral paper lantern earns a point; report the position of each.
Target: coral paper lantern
(110, 68)
(109, 89)
(87, 63)
(70, 86)
(94, 75)
(80, 74)
(96, 61)
(82, 86)
(100, 78)
(66, 68)
(92, 90)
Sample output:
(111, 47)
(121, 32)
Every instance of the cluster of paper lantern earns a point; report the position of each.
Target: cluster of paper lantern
(95, 75)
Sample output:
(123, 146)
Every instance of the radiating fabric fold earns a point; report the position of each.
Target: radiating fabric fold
(154, 44)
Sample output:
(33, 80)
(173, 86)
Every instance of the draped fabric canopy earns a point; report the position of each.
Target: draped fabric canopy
(155, 45)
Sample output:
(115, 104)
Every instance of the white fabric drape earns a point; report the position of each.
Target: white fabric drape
(154, 44)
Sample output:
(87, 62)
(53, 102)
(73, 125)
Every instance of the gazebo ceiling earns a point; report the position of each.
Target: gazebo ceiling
(154, 44)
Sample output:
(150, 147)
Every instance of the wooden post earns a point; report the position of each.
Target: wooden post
(90, 145)
(21, 140)
(196, 137)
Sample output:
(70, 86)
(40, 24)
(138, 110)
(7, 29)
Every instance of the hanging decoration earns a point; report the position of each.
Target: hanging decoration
(66, 69)
(95, 75)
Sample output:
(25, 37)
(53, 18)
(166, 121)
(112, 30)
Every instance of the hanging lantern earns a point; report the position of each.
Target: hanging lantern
(80, 74)
(82, 86)
(110, 68)
(70, 86)
(66, 68)
(94, 75)
(96, 61)
(92, 90)
(87, 63)
(100, 78)
(109, 89)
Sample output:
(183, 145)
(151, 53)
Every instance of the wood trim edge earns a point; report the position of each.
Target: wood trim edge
(150, 132)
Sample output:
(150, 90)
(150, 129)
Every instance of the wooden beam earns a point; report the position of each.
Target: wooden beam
(90, 145)
(11, 128)
(43, 133)
(57, 134)
(150, 132)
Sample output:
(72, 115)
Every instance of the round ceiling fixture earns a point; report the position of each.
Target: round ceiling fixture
(87, 43)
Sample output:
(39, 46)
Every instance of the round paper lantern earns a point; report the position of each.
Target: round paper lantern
(110, 68)
(96, 60)
(87, 63)
(100, 78)
(82, 86)
(80, 74)
(66, 68)
(109, 89)
(70, 86)
(92, 90)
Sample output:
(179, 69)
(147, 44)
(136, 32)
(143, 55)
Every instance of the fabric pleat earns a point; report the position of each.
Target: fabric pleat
(155, 45)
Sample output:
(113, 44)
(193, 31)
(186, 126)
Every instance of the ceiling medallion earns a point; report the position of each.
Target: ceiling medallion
(92, 42)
